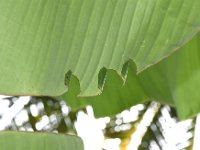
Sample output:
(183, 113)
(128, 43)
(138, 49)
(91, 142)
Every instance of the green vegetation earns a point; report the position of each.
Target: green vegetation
(141, 50)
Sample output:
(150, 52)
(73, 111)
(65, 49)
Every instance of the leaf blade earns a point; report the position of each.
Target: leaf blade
(46, 39)
(41, 141)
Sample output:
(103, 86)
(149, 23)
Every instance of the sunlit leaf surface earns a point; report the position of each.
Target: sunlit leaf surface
(42, 40)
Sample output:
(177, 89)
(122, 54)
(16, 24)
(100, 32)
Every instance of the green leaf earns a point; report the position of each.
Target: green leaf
(177, 78)
(114, 98)
(38, 141)
(42, 40)
(175, 81)
(118, 96)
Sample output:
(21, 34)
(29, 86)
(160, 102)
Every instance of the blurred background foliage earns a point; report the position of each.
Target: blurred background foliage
(149, 126)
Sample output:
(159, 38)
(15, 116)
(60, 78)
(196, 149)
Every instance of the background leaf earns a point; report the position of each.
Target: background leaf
(115, 97)
(180, 79)
(38, 141)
